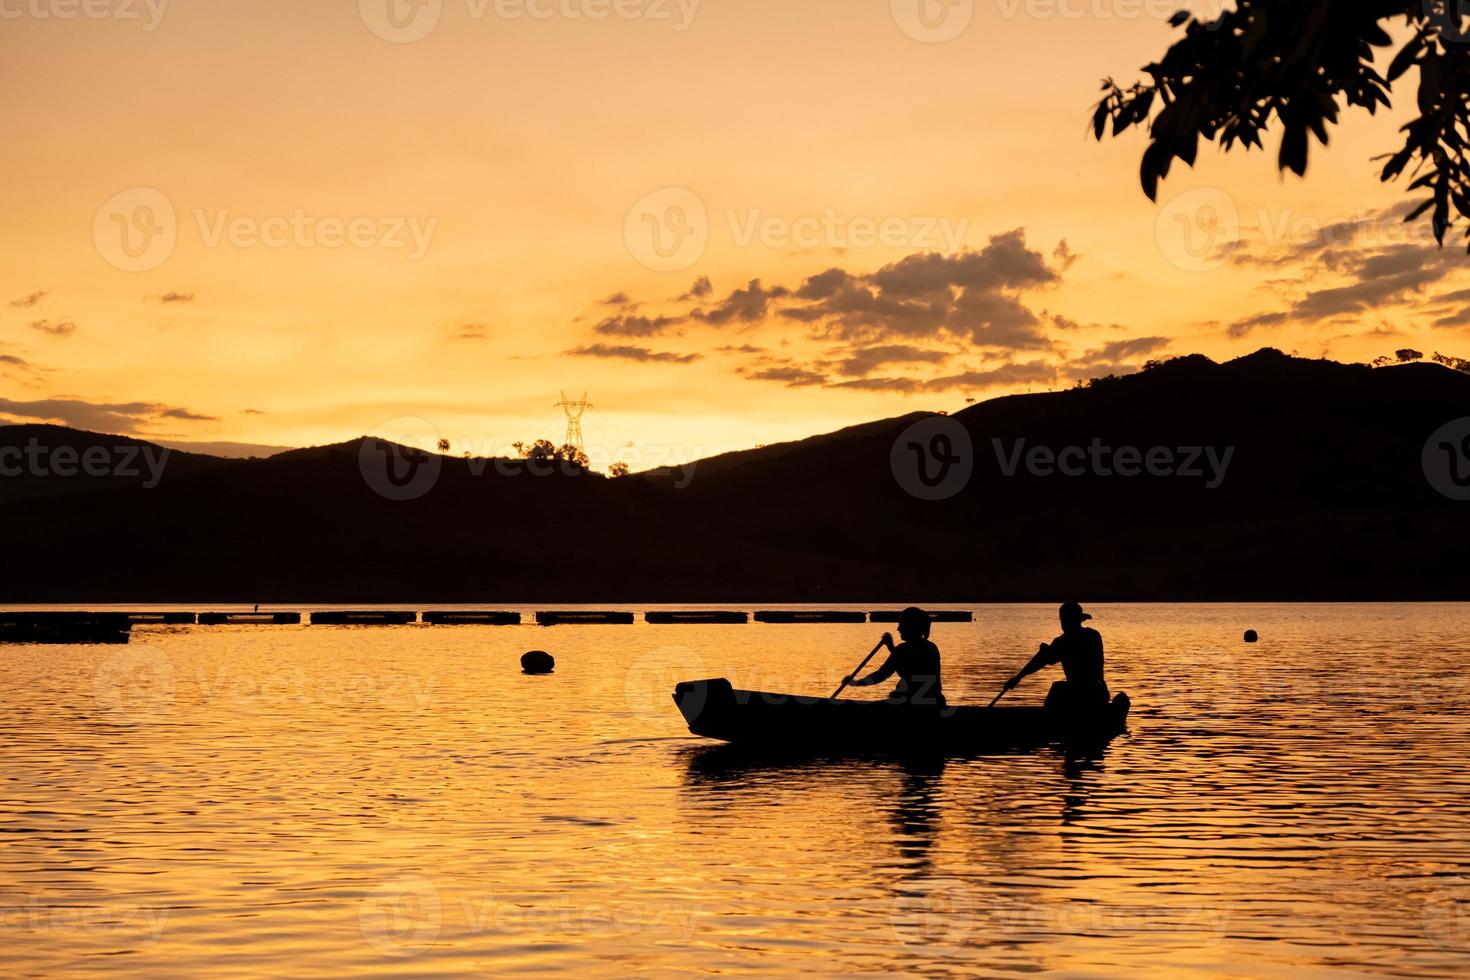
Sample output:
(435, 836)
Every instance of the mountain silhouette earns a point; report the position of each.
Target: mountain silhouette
(1324, 497)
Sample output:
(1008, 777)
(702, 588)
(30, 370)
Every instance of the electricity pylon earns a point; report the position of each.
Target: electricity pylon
(574, 412)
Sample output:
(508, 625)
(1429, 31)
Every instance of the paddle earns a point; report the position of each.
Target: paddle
(1002, 694)
(848, 679)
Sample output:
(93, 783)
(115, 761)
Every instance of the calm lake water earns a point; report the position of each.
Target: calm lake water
(297, 801)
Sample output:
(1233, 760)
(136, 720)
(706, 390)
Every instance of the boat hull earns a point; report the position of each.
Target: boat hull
(715, 709)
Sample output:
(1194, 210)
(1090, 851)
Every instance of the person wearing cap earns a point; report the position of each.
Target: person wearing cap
(915, 661)
(1080, 652)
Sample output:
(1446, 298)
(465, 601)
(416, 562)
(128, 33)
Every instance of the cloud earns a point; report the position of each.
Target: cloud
(471, 331)
(1116, 357)
(186, 415)
(125, 418)
(1369, 264)
(970, 295)
(632, 354)
(172, 297)
(1120, 350)
(616, 299)
(26, 302)
(748, 305)
(16, 368)
(1382, 279)
(906, 386)
(788, 374)
(1069, 324)
(1240, 328)
(700, 290)
(1063, 256)
(1028, 372)
(904, 313)
(1007, 374)
(868, 359)
(61, 328)
(1458, 296)
(636, 326)
(253, 411)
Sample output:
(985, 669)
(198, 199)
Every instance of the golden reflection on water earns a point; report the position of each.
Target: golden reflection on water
(308, 800)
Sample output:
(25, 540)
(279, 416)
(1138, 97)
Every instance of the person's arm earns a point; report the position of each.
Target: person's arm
(1044, 658)
(882, 673)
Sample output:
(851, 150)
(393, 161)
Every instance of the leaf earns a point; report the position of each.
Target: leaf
(1417, 212)
(1405, 58)
(1397, 163)
(1293, 154)
(1430, 92)
(1148, 173)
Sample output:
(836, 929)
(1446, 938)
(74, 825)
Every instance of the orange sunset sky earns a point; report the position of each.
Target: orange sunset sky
(731, 222)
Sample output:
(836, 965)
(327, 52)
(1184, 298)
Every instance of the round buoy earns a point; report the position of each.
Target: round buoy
(1250, 636)
(537, 662)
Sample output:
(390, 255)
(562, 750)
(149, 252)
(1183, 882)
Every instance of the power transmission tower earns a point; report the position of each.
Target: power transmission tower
(574, 412)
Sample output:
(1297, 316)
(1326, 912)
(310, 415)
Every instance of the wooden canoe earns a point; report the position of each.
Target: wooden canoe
(715, 709)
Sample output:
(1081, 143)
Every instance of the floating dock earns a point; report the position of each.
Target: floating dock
(583, 617)
(59, 627)
(85, 623)
(250, 618)
(697, 616)
(935, 616)
(810, 616)
(363, 617)
(471, 618)
(164, 618)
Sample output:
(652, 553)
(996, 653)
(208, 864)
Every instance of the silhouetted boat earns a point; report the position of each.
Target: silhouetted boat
(715, 709)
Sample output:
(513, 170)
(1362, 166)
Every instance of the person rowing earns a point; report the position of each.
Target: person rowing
(1080, 652)
(915, 661)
